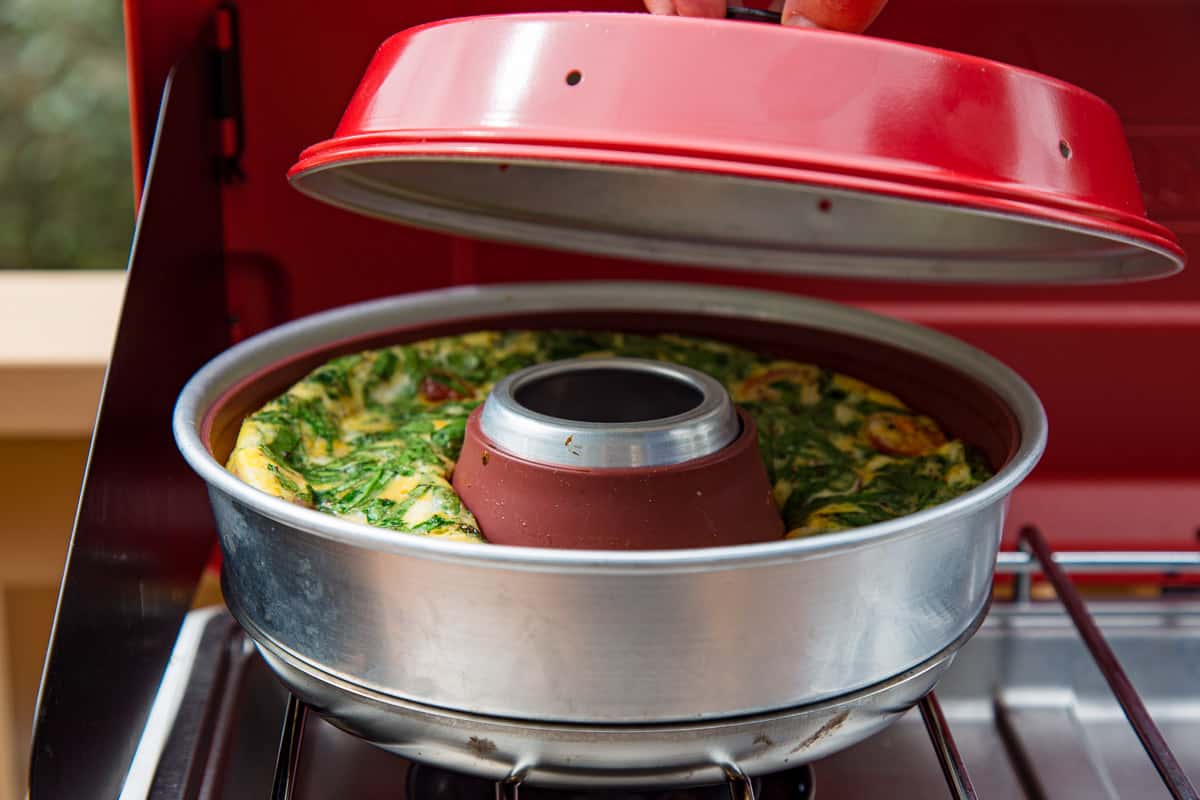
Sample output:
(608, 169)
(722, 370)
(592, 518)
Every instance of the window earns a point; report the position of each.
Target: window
(66, 199)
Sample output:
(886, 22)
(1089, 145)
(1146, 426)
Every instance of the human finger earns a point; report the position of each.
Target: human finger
(853, 16)
(687, 8)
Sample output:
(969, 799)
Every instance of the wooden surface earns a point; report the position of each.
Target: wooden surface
(56, 331)
(39, 486)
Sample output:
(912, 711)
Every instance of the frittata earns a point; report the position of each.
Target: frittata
(373, 437)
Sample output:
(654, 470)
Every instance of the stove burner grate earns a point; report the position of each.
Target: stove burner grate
(435, 783)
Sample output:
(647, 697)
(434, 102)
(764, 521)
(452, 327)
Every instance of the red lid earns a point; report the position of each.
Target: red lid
(737, 144)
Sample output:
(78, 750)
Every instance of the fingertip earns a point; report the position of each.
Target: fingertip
(798, 20)
(662, 7)
(700, 8)
(850, 16)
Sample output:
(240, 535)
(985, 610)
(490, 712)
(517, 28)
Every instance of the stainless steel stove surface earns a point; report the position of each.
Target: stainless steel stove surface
(1027, 705)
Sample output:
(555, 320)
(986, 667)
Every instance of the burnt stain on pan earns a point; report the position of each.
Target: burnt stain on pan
(481, 746)
(826, 729)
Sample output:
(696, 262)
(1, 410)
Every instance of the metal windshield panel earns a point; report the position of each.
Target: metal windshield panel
(142, 530)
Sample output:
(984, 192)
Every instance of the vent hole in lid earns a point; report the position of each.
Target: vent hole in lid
(608, 395)
(1064, 148)
(574, 77)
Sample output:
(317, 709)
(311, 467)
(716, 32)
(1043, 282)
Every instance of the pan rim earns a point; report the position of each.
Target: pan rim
(241, 360)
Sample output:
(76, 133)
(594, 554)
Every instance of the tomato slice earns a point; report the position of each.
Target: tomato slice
(756, 386)
(436, 387)
(902, 434)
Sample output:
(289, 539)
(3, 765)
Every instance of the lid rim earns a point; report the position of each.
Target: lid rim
(487, 145)
(1150, 237)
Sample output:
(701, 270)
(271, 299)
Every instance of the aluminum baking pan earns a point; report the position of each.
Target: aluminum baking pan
(583, 636)
(635, 756)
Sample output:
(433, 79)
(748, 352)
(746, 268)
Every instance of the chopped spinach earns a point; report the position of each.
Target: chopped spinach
(375, 435)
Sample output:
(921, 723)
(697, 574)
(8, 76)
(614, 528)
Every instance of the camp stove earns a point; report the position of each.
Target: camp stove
(1080, 679)
(1036, 705)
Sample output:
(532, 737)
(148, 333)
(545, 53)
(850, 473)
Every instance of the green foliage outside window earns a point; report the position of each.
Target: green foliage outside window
(66, 198)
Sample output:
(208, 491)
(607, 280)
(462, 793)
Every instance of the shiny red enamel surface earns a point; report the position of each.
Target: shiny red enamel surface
(834, 109)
